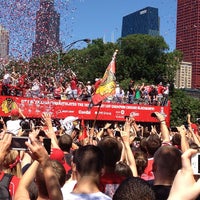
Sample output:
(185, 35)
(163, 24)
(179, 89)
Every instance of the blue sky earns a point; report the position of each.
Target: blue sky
(103, 18)
(81, 19)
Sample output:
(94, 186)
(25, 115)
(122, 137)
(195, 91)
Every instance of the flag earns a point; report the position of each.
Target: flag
(107, 85)
(83, 132)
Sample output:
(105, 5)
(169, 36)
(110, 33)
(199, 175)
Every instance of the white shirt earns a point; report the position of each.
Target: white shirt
(92, 196)
(13, 126)
(68, 187)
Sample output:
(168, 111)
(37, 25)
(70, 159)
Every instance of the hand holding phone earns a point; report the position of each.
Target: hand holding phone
(195, 162)
(18, 143)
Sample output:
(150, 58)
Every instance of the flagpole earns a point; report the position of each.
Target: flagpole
(96, 115)
(115, 53)
(111, 67)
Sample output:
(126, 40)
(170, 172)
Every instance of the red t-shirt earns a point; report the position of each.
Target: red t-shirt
(73, 84)
(109, 182)
(57, 92)
(160, 89)
(148, 172)
(13, 183)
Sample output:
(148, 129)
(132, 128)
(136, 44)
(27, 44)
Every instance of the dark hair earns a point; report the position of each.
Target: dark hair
(134, 188)
(112, 149)
(59, 171)
(167, 160)
(153, 142)
(88, 159)
(141, 161)
(143, 145)
(26, 127)
(123, 169)
(176, 139)
(65, 142)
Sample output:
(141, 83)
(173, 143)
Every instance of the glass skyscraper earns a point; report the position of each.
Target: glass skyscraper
(144, 21)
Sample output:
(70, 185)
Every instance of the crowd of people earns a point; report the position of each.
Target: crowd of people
(65, 85)
(70, 159)
(117, 161)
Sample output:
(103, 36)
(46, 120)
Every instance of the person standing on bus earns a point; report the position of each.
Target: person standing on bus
(131, 92)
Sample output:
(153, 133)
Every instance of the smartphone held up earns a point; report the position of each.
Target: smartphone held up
(195, 162)
(19, 143)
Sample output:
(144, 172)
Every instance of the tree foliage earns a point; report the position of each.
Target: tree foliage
(181, 105)
(143, 57)
(140, 57)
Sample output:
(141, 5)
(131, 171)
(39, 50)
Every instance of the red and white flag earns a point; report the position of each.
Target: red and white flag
(107, 85)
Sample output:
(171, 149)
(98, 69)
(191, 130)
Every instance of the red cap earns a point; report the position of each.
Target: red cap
(58, 154)
(14, 112)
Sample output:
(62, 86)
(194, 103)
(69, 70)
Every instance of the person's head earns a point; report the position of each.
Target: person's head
(65, 142)
(112, 149)
(176, 140)
(141, 161)
(143, 145)
(88, 160)
(12, 164)
(14, 114)
(134, 188)
(40, 181)
(123, 169)
(167, 161)
(26, 127)
(33, 191)
(153, 142)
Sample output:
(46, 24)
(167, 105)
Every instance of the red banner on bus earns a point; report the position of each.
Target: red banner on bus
(34, 107)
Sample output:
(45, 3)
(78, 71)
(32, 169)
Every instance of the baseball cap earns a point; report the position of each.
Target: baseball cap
(58, 154)
(14, 113)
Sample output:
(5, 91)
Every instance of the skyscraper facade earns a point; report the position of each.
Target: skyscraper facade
(4, 44)
(183, 78)
(188, 35)
(144, 21)
(47, 29)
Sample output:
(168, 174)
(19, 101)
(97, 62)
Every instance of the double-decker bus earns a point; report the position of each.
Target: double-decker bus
(60, 109)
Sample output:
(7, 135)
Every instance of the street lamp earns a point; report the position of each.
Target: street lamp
(68, 47)
(73, 43)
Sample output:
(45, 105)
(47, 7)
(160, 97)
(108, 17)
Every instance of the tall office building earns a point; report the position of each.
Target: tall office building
(4, 45)
(183, 77)
(188, 35)
(144, 21)
(47, 29)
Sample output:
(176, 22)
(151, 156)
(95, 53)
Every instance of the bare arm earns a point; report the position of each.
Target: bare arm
(39, 153)
(4, 146)
(163, 127)
(184, 185)
(194, 136)
(22, 189)
(50, 133)
(184, 142)
(125, 135)
(52, 183)
(3, 123)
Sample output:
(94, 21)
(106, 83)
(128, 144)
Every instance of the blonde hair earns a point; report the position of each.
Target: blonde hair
(12, 163)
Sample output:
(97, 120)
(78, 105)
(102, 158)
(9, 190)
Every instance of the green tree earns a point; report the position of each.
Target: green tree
(142, 57)
(91, 62)
(181, 105)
